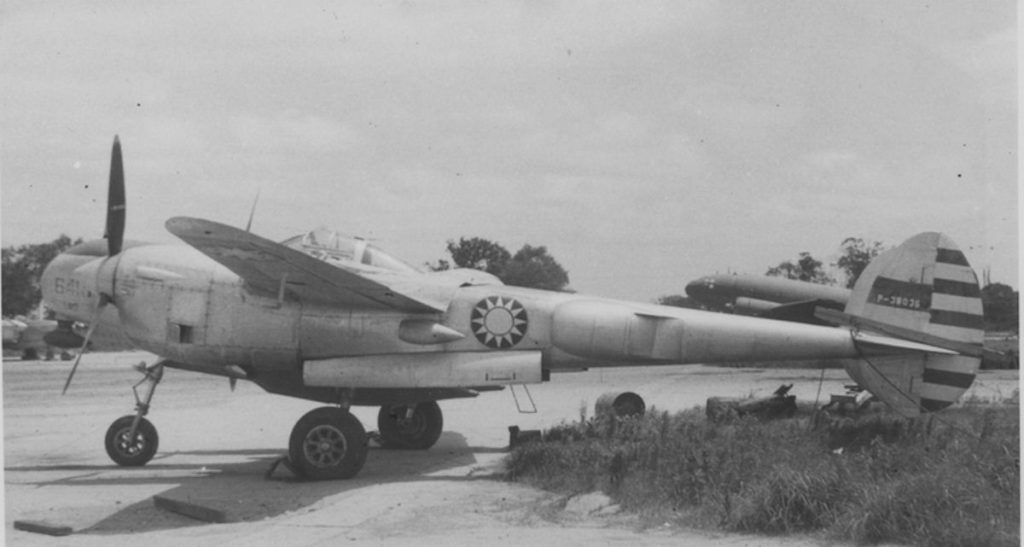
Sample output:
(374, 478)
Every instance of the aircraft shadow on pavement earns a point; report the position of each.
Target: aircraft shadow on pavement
(238, 488)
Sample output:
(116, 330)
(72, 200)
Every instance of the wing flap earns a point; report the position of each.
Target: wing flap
(270, 268)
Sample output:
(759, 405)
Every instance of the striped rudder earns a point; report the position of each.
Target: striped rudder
(924, 285)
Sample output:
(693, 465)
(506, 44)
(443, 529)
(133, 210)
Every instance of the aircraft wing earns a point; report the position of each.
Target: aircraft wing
(271, 268)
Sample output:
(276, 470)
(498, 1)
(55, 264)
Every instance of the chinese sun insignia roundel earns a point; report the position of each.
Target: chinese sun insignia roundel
(499, 323)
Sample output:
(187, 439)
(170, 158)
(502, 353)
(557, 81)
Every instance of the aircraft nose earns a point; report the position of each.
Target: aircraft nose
(46, 281)
(68, 290)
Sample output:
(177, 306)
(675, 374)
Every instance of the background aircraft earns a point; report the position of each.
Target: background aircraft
(337, 320)
(757, 294)
(47, 338)
(26, 337)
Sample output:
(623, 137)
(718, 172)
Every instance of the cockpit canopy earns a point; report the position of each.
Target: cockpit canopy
(331, 246)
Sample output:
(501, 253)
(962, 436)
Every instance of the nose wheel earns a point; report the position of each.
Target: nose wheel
(131, 444)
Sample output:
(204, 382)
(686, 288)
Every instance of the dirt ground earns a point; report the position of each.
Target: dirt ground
(216, 445)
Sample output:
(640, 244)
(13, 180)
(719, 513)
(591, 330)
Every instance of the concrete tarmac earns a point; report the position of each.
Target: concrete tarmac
(216, 445)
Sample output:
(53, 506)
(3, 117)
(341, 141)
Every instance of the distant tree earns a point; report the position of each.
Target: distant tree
(806, 268)
(679, 301)
(857, 253)
(477, 253)
(21, 270)
(534, 267)
(530, 267)
(1000, 304)
(18, 291)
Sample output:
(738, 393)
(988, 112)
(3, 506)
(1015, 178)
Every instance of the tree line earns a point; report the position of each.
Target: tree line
(855, 255)
(21, 269)
(530, 267)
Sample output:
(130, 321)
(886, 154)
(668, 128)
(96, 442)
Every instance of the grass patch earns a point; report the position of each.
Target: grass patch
(951, 479)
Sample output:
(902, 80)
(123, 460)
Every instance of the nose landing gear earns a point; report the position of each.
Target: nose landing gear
(131, 441)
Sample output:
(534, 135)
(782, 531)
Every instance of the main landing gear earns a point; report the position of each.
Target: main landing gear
(131, 441)
(329, 443)
(415, 426)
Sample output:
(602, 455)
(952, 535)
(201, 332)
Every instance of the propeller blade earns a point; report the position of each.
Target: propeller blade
(115, 202)
(115, 242)
(74, 367)
(85, 343)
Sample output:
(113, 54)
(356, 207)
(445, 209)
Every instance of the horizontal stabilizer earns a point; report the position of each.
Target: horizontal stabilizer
(834, 317)
(867, 339)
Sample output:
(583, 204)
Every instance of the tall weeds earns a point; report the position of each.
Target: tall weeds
(951, 480)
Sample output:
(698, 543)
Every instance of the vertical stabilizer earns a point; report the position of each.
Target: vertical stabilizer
(925, 286)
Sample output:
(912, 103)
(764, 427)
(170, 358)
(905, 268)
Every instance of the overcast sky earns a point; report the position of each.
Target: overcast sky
(645, 144)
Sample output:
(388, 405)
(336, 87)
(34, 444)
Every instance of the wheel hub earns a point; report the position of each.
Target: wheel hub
(129, 446)
(325, 446)
(409, 425)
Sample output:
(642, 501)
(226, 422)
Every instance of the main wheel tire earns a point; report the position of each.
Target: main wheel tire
(328, 443)
(131, 452)
(417, 432)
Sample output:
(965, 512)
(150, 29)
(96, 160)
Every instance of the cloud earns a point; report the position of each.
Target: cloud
(290, 131)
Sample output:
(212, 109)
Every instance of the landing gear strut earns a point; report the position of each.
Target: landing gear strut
(131, 441)
(328, 443)
(415, 426)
